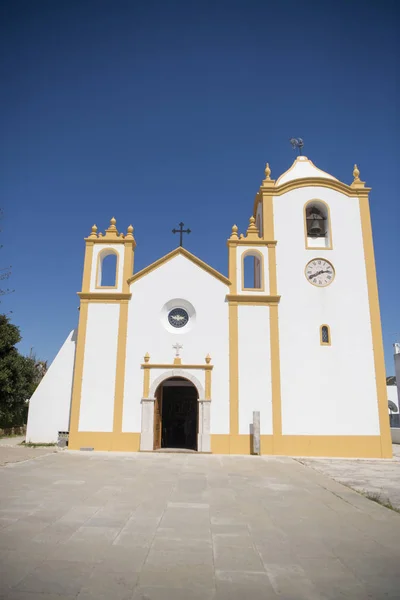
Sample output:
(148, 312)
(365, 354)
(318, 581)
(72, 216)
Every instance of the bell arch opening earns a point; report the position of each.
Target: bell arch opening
(176, 414)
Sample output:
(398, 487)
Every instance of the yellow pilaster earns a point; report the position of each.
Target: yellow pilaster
(379, 359)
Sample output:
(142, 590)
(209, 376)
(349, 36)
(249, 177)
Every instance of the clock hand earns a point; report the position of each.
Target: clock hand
(317, 274)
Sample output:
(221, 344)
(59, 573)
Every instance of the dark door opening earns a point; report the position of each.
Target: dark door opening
(179, 414)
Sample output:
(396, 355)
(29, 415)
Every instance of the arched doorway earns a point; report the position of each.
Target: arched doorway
(176, 414)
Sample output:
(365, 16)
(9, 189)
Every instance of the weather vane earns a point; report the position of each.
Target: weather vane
(181, 231)
(297, 143)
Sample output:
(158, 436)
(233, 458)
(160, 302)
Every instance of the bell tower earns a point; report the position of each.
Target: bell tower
(101, 341)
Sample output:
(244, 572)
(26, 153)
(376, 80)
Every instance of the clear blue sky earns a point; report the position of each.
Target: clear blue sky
(156, 112)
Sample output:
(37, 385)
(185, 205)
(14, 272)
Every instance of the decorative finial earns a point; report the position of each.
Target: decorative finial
(234, 234)
(113, 223)
(146, 357)
(93, 232)
(356, 173)
(129, 235)
(252, 230)
(208, 359)
(267, 172)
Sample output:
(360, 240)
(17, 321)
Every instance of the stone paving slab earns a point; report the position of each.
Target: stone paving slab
(12, 452)
(186, 526)
(379, 478)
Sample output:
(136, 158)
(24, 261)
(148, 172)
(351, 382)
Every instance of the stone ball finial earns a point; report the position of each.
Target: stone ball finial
(267, 172)
(130, 229)
(113, 222)
(93, 233)
(356, 173)
(234, 234)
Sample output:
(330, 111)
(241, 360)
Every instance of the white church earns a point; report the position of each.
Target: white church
(178, 355)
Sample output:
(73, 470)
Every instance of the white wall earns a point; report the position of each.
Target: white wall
(392, 395)
(326, 390)
(49, 407)
(148, 331)
(254, 368)
(99, 368)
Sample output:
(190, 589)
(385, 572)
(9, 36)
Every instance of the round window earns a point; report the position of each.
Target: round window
(178, 317)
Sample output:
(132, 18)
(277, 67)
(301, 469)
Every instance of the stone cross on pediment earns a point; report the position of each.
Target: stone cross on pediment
(177, 347)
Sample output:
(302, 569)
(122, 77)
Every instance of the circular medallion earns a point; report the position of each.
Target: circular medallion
(320, 272)
(178, 317)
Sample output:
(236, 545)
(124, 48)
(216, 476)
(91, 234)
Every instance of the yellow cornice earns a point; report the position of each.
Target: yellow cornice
(353, 190)
(252, 299)
(176, 366)
(106, 296)
(188, 255)
(246, 242)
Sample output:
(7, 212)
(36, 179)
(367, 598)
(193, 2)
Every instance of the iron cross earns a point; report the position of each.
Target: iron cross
(181, 231)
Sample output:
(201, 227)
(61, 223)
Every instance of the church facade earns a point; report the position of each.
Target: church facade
(178, 355)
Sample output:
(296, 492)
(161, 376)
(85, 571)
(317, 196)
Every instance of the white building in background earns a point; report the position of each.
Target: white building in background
(180, 355)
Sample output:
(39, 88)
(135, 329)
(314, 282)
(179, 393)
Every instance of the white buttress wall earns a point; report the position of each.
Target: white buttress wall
(326, 390)
(49, 407)
(99, 368)
(254, 368)
(148, 331)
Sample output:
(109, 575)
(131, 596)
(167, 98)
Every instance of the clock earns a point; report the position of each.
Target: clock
(320, 272)
(178, 317)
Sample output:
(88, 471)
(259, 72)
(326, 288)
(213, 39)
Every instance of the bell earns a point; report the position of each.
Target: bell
(315, 229)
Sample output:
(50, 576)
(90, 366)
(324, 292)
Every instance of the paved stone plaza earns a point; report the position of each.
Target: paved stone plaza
(186, 526)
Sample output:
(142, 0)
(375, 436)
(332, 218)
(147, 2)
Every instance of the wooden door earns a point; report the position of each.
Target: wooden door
(158, 418)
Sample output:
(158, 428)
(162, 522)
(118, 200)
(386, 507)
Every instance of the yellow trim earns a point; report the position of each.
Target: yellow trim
(328, 343)
(207, 390)
(104, 297)
(106, 441)
(232, 266)
(87, 266)
(347, 190)
(129, 257)
(99, 268)
(255, 254)
(120, 367)
(173, 366)
(340, 446)
(233, 369)
(273, 286)
(78, 373)
(146, 383)
(330, 247)
(246, 242)
(169, 256)
(326, 260)
(252, 299)
(379, 360)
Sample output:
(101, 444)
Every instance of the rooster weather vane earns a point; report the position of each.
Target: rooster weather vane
(297, 143)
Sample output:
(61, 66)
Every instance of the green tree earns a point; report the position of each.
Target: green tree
(18, 377)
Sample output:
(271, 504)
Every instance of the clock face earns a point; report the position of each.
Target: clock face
(320, 272)
(178, 317)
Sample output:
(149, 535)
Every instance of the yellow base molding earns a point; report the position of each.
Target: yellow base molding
(335, 446)
(117, 442)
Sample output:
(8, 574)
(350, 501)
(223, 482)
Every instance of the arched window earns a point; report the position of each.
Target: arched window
(325, 335)
(252, 271)
(107, 269)
(317, 225)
